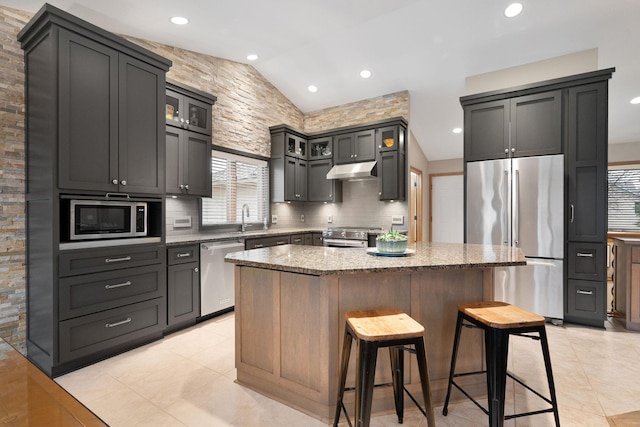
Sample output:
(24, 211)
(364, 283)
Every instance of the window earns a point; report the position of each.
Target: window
(236, 181)
(624, 198)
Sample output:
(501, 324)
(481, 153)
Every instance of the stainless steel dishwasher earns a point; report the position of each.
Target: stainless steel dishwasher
(216, 276)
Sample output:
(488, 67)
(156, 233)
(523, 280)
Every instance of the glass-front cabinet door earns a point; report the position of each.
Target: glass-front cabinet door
(188, 113)
(387, 138)
(296, 146)
(320, 148)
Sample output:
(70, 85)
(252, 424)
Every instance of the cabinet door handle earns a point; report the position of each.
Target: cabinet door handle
(122, 322)
(584, 255)
(506, 150)
(572, 212)
(118, 285)
(125, 258)
(581, 292)
(114, 181)
(123, 182)
(186, 186)
(196, 269)
(184, 254)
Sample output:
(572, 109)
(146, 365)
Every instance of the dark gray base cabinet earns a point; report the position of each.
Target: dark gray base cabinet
(183, 286)
(586, 302)
(265, 242)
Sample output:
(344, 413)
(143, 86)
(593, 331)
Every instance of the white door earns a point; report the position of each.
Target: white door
(447, 208)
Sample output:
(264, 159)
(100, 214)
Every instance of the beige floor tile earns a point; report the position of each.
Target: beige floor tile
(188, 379)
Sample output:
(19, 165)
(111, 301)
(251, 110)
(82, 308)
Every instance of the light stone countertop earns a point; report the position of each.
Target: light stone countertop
(320, 260)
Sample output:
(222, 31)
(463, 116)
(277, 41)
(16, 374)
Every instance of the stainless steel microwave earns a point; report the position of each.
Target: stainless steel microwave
(106, 219)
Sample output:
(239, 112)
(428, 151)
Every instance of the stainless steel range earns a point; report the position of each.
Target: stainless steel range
(348, 237)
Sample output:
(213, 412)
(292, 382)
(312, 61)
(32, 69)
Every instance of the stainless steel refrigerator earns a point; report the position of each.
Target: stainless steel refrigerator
(520, 202)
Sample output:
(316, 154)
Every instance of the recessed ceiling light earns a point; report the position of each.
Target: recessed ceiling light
(252, 57)
(457, 130)
(365, 74)
(512, 10)
(312, 88)
(636, 100)
(179, 20)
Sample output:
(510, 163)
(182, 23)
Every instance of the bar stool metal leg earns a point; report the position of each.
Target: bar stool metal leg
(397, 373)
(547, 365)
(365, 373)
(454, 356)
(424, 381)
(344, 365)
(496, 348)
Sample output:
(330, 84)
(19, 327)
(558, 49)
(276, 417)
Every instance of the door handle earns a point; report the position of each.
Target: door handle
(584, 255)
(505, 226)
(581, 292)
(572, 212)
(516, 208)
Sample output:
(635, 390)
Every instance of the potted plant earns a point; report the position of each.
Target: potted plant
(392, 242)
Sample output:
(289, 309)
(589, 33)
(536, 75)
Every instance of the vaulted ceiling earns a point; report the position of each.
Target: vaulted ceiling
(427, 47)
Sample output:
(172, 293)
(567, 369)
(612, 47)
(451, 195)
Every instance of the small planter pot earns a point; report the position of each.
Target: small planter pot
(391, 246)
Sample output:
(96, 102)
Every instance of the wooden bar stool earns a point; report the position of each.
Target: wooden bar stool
(375, 329)
(499, 320)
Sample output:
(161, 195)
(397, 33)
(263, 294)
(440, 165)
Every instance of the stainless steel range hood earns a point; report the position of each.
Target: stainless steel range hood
(364, 170)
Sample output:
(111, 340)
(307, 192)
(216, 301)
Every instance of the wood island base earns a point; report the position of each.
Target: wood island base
(290, 326)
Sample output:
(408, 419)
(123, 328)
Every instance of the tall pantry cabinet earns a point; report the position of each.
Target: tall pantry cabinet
(94, 128)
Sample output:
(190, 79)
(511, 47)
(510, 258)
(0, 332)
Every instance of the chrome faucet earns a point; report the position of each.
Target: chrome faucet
(245, 206)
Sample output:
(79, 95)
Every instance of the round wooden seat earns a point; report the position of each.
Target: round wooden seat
(381, 325)
(500, 315)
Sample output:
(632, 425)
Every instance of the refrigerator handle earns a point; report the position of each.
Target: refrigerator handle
(516, 208)
(505, 217)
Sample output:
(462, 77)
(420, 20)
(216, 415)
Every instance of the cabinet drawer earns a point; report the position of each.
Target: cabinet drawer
(587, 261)
(86, 335)
(94, 261)
(90, 293)
(587, 300)
(301, 239)
(182, 254)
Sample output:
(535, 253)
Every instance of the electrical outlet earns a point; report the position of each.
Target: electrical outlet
(397, 220)
(301, 217)
(330, 219)
(274, 219)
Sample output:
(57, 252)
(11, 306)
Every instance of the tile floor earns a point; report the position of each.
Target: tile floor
(187, 379)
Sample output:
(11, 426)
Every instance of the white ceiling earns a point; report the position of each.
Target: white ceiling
(427, 47)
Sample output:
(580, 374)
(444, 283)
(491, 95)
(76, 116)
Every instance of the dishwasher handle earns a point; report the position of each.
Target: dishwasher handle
(212, 246)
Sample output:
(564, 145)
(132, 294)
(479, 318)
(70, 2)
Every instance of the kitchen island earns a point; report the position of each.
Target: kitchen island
(290, 307)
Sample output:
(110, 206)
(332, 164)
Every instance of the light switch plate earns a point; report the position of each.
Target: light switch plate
(274, 219)
(330, 219)
(397, 220)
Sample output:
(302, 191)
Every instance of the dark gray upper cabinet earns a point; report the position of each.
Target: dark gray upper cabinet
(108, 121)
(188, 150)
(523, 126)
(320, 188)
(295, 182)
(188, 167)
(355, 147)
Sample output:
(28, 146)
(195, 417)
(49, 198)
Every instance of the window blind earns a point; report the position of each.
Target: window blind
(236, 181)
(624, 200)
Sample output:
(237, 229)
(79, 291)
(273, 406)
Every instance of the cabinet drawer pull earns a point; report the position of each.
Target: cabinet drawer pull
(259, 246)
(118, 285)
(297, 240)
(584, 255)
(581, 292)
(184, 254)
(122, 322)
(124, 258)
(280, 242)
